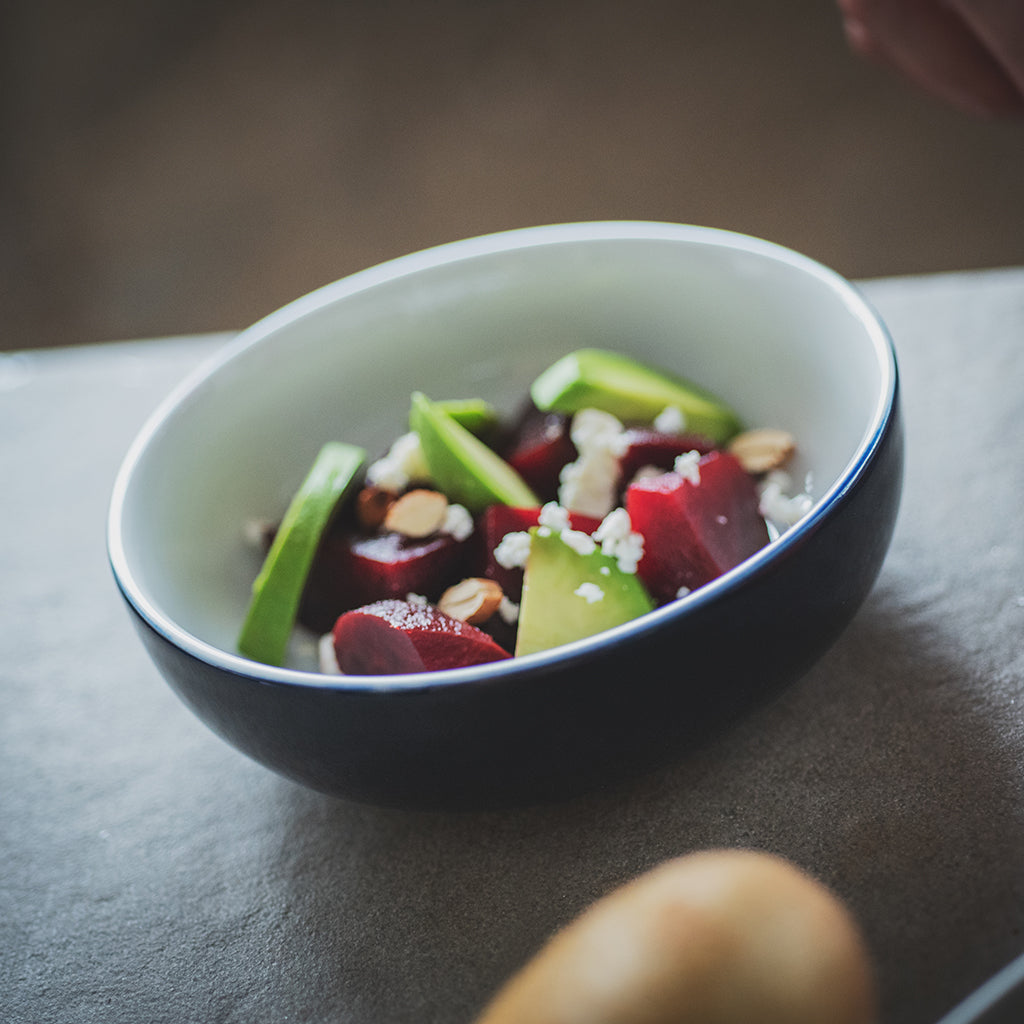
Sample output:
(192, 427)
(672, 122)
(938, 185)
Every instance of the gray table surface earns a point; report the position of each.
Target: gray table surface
(148, 872)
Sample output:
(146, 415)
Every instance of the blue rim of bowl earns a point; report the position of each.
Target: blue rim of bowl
(453, 252)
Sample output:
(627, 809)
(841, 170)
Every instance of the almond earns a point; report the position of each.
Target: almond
(417, 513)
(762, 449)
(474, 600)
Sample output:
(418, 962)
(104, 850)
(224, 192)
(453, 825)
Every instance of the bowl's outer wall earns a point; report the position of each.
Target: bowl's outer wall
(548, 733)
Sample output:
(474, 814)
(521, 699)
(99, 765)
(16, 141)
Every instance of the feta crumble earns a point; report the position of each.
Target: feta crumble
(458, 523)
(618, 541)
(402, 465)
(671, 420)
(590, 592)
(513, 549)
(580, 542)
(687, 466)
(647, 473)
(589, 484)
(554, 516)
(508, 610)
(779, 507)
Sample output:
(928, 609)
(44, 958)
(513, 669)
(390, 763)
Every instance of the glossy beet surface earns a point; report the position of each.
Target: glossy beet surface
(394, 637)
(789, 343)
(353, 569)
(692, 534)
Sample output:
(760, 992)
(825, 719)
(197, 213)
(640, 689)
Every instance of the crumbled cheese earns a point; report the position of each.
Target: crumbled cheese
(671, 420)
(682, 591)
(580, 542)
(513, 550)
(590, 592)
(589, 484)
(554, 517)
(327, 656)
(687, 466)
(417, 599)
(402, 465)
(777, 506)
(647, 473)
(628, 553)
(618, 541)
(593, 429)
(615, 526)
(508, 610)
(458, 522)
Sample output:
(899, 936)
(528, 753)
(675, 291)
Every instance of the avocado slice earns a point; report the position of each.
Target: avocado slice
(557, 583)
(630, 390)
(277, 589)
(476, 415)
(461, 465)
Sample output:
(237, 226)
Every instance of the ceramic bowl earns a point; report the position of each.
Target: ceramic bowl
(784, 340)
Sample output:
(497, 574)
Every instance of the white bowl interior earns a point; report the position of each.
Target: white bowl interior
(784, 341)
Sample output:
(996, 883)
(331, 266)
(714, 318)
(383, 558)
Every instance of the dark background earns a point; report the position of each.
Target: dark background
(172, 167)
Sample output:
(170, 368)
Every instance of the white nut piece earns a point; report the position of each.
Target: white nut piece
(474, 600)
(417, 513)
(763, 449)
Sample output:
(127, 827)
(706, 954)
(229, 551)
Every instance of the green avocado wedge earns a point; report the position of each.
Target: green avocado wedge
(568, 595)
(631, 391)
(277, 589)
(461, 465)
(476, 415)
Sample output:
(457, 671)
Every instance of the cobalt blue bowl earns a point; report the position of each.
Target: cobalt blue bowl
(784, 340)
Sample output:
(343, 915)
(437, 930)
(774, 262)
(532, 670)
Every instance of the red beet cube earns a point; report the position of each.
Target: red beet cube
(538, 449)
(391, 637)
(498, 520)
(352, 569)
(648, 447)
(694, 532)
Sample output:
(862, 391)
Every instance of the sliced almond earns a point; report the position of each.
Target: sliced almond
(372, 504)
(417, 513)
(474, 600)
(763, 449)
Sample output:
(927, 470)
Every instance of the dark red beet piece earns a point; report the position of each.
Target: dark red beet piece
(538, 449)
(389, 637)
(648, 447)
(352, 569)
(496, 521)
(695, 532)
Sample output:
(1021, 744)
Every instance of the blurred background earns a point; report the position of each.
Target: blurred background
(179, 166)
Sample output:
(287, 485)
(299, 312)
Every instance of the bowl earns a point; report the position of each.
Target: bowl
(786, 341)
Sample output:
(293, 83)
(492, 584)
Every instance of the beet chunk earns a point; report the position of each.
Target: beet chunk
(496, 521)
(353, 569)
(538, 449)
(646, 447)
(694, 532)
(394, 637)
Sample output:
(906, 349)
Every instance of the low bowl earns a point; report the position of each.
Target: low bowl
(786, 341)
